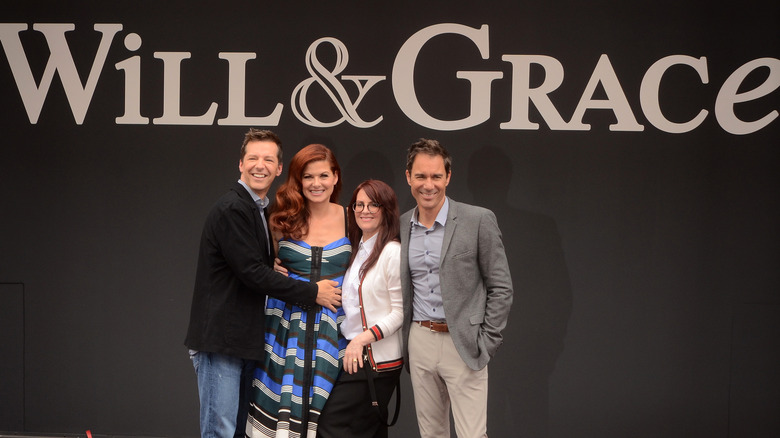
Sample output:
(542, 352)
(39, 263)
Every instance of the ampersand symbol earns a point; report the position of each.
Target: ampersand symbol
(333, 87)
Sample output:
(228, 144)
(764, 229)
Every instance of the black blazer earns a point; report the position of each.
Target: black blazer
(235, 273)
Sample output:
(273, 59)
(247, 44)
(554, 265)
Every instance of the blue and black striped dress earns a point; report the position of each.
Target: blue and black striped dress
(303, 348)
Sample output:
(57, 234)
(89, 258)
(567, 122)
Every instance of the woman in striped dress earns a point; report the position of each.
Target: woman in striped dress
(302, 344)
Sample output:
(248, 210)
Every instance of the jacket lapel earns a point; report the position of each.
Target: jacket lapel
(406, 230)
(268, 236)
(261, 236)
(449, 230)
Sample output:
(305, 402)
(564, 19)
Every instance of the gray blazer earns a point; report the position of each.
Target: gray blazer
(476, 285)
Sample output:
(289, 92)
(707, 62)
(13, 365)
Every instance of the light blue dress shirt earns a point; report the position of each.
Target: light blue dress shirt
(424, 260)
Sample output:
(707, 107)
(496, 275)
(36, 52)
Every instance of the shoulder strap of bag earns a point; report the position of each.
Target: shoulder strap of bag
(375, 403)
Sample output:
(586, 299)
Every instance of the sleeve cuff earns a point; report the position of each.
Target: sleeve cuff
(377, 332)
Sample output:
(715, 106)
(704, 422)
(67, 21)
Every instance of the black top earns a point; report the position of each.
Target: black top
(235, 273)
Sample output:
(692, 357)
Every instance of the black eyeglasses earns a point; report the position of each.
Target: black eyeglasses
(371, 206)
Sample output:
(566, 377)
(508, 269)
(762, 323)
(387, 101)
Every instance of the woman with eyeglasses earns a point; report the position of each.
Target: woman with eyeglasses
(372, 303)
(302, 344)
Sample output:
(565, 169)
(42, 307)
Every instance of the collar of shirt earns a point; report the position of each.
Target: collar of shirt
(261, 202)
(368, 245)
(441, 218)
(350, 299)
(363, 252)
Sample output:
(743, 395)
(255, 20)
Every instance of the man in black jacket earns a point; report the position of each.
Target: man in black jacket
(235, 273)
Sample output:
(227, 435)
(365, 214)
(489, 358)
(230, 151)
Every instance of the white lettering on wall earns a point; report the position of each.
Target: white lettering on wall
(237, 94)
(616, 100)
(172, 93)
(60, 60)
(729, 96)
(523, 94)
(328, 80)
(79, 93)
(132, 68)
(403, 78)
(651, 84)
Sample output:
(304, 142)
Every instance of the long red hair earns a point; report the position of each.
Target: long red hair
(389, 230)
(290, 216)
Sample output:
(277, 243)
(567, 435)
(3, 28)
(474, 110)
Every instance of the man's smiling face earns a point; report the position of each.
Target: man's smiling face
(260, 165)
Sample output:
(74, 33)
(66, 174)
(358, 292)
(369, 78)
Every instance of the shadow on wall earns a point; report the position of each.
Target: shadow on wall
(519, 375)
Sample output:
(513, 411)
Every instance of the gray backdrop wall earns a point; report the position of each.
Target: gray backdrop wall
(629, 150)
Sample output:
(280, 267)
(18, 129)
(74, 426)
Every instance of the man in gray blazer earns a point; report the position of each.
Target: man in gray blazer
(457, 294)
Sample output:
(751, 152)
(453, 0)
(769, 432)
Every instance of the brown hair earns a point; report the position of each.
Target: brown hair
(290, 216)
(389, 230)
(255, 134)
(429, 147)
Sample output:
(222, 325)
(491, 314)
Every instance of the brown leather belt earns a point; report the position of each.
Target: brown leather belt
(434, 326)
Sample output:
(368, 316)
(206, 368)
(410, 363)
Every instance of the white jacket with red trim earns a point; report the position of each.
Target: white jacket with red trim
(381, 309)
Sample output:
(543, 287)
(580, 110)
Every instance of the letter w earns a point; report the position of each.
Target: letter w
(60, 60)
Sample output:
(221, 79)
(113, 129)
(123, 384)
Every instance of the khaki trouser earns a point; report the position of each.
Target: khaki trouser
(441, 380)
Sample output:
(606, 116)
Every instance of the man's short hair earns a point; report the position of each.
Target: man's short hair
(255, 134)
(429, 147)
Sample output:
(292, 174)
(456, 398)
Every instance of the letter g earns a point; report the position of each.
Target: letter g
(403, 78)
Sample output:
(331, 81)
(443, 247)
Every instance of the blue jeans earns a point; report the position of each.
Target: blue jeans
(223, 387)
